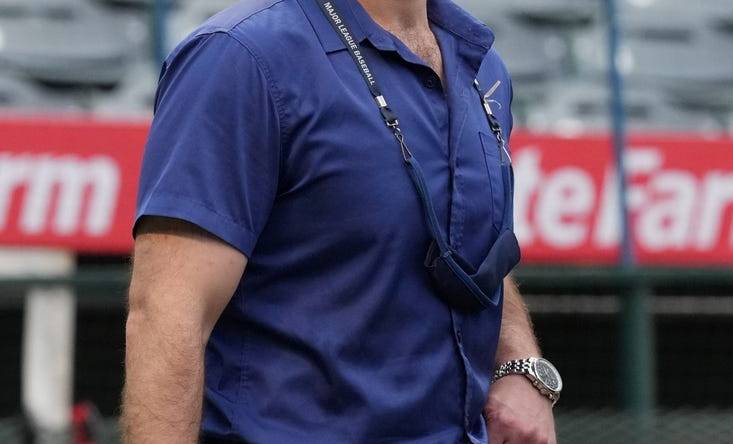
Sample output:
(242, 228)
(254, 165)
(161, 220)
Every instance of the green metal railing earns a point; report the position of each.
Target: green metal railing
(105, 287)
(532, 278)
(636, 288)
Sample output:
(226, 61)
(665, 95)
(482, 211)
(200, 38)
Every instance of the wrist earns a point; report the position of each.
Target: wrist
(512, 386)
(538, 371)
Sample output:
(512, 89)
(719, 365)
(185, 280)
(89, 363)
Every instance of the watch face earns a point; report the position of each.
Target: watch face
(547, 374)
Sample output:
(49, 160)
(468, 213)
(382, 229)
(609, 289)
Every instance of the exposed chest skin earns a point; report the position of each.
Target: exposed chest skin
(424, 44)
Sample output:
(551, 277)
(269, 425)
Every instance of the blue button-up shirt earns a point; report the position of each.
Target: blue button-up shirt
(266, 136)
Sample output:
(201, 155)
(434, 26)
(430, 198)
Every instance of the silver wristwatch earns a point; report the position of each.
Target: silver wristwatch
(541, 372)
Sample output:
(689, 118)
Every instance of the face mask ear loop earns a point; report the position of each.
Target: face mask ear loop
(453, 273)
(418, 180)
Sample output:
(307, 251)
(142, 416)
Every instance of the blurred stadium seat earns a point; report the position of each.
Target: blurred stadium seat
(558, 14)
(134, 95)
(190, 14)
(571, 108)
(18, 93)
(92, 53)
(70, 43)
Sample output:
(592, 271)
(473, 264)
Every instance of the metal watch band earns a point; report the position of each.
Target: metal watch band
(526, 367)
(514, 367)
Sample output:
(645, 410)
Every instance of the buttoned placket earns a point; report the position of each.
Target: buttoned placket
(453, 102)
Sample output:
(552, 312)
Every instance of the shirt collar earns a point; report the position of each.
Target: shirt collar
(475, 36)
(454, 19)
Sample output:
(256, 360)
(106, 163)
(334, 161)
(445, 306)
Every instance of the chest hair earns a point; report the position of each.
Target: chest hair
(424, 44)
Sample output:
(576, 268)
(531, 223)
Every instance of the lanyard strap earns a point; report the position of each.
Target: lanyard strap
(458, 281)
(342, 30)
(390, 119)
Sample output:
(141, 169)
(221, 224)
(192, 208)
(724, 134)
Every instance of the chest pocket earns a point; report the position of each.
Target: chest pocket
(496, 162)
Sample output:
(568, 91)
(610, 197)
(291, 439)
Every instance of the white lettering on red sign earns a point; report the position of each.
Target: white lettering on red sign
(63, 195)
(672, 209)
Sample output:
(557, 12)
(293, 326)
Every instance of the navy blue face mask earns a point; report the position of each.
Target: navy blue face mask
(459, 284)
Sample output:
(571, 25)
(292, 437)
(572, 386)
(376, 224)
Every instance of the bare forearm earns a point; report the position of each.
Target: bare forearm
(164, 383)
(515, 411)
(517, 339)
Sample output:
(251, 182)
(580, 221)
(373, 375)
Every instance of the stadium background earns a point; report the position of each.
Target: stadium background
(644, 346)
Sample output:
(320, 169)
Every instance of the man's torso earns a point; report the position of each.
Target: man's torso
(336, 334)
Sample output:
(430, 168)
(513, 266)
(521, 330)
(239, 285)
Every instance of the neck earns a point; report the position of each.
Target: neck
(398, 14)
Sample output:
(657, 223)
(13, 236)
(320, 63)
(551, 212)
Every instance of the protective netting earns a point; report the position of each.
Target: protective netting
(573, 427)
(664, 427)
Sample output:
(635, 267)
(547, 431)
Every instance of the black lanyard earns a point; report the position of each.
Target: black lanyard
(342, 29)
(390, 119)
(461, 285)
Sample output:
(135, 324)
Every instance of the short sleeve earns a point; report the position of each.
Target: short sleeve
(212, 155)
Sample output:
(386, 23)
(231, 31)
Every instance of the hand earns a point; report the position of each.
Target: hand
(516, 413)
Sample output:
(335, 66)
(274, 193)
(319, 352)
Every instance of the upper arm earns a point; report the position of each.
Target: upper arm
(183, 277)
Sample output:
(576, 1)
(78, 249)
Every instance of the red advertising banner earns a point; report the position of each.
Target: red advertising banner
(72, 184)
(680, 197)
(69, 183)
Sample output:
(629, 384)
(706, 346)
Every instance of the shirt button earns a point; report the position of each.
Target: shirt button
(430, 82)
